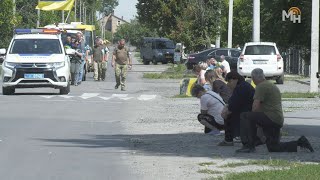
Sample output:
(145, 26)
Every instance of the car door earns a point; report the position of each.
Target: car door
(221, 52)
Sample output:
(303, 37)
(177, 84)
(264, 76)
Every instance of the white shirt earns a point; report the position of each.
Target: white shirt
(226, 66)
(212, 105)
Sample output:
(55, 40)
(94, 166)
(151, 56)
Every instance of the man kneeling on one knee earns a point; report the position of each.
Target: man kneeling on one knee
(211, 107)
(267, 114)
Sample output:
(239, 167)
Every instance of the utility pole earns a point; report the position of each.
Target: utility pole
(219, 30)
(14, 7)
(230, 23)
(62, 15)
(38, 13)
(314, 83)
(256, 21)
(80, 11)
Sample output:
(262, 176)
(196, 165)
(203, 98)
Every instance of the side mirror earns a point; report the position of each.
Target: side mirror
(3, 51)
(318, 75)
(70, 51)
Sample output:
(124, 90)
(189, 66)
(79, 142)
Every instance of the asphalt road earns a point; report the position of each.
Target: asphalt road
(45, 136)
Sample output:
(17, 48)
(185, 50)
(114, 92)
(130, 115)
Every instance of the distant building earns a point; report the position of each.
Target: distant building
(111, 22)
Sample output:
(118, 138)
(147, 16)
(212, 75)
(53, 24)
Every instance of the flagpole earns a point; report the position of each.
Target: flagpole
(75, 10)
(62, 14)
(38, 21)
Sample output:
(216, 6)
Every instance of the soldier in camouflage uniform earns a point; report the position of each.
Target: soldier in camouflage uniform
(121, 60)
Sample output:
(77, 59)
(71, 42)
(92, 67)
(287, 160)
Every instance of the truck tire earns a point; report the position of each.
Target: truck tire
(154, 61)
(145, 61)
(280, 79)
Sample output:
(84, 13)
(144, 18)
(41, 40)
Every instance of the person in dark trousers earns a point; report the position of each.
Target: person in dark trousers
(211, 108)
(240, 101)
(267, 114)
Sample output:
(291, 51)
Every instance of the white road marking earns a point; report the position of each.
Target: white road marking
(105, 98)
(120, 95)
(146, 97)
(48, 97)
(66, 96)
(126, 98)
(88, 95)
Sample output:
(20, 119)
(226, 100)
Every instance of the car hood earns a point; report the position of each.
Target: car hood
(35, 58)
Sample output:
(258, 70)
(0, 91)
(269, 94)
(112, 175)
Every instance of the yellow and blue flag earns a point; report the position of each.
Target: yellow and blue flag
(49, 5)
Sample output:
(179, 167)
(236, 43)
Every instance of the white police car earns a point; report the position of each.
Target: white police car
(36, 58)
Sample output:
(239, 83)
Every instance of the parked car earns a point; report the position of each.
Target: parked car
(231, 55)
(264, 55)
(157, 50)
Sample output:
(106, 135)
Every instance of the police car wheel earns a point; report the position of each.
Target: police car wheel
(8, 90)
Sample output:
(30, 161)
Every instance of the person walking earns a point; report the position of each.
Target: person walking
(225, 64)
(83, 51)
(267, 114)
(121, 61)
(100, 59)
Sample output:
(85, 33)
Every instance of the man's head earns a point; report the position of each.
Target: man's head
(68, 39)
(198, 91)
(233, 78)
(98, 41)
(122, 43)
(222, 58)
(257, 76)
(79, 36)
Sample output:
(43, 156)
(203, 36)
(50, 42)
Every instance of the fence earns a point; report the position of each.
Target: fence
(294, 63)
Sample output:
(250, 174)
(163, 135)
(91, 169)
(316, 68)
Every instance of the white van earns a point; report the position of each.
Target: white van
(36, 58)
(264, 55)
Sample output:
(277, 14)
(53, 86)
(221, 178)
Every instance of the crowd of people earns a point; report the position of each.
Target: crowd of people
(99, 54)
(248, 115)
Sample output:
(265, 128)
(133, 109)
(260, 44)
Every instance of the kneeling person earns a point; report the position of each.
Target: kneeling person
(211, 107)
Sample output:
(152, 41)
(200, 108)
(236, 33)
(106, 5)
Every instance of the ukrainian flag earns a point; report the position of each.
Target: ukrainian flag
(49, 5)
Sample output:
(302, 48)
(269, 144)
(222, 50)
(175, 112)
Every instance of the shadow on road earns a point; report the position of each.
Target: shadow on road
(189, 145)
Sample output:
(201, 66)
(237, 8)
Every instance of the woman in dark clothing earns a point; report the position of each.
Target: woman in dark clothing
(240, 101)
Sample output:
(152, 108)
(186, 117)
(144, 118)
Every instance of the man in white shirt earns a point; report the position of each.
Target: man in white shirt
(225, 64)
(211, 107)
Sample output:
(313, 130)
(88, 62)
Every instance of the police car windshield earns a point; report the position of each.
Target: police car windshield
(36, 46)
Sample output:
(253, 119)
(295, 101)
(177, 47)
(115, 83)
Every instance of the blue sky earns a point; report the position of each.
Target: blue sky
(127, 9)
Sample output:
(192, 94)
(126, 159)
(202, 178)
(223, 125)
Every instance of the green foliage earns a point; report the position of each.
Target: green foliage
(133, 33)
(6, 22)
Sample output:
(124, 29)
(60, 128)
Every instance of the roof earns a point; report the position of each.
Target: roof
(36, 36)
(260, 43)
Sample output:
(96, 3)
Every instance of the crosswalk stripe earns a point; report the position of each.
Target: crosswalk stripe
(120, 95)
(105, 98)
(47, 97)
(88, 95)
(66, 96)
(146, 97)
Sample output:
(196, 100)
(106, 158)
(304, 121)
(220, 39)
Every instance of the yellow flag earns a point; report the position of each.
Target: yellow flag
(49, 5)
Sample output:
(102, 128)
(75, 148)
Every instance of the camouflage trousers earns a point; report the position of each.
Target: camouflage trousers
(100, 69)
(121, 74)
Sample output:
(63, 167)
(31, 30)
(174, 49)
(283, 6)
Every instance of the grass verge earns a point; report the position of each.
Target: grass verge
(208, 171)
(174, 72)
(206, 163)
(299, 95)
(309, 171)
(181, 96)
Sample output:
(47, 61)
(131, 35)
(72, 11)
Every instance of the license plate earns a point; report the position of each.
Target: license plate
(33, 76)
(259, 62)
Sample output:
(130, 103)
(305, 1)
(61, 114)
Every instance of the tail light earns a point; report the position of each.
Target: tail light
(241, 57)
(278, 57)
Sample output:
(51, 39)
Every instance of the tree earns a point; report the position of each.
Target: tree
(6, 22)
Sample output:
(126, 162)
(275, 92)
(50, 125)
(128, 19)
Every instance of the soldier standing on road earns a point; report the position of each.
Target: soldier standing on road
(100, 59)
(120, 60)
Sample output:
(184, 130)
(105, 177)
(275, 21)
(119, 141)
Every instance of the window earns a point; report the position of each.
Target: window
(235, 53)
(36, 46)
(222, 52)
(118, 23)
(164, 45)
(260, 50)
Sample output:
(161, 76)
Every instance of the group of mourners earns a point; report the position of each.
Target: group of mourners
(251, 116)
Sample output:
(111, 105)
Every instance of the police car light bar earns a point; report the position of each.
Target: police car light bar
(37, 31)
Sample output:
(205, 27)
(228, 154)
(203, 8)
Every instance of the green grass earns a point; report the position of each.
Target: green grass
(233, 165)
(272, 163)
(299, 172)
(173, 72)
(292, 78)
(206, 163)
(299, 95)
(137, 57)
(208, 171)
(181, 96)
